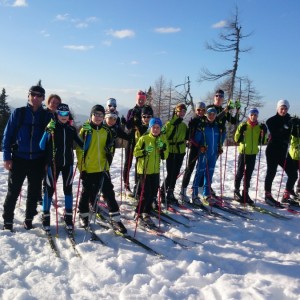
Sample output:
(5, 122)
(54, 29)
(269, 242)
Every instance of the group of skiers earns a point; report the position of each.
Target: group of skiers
(38, 144)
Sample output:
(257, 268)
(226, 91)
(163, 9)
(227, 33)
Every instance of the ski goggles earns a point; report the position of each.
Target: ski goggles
(63, 113)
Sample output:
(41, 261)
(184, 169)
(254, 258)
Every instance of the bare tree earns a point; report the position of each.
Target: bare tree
(231, 40)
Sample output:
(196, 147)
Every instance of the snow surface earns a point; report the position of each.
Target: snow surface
(241, 259)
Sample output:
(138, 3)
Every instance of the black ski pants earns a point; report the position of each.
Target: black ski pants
(148, 188)
(92, 184)
(277, 156)
(193, 156)
(22, 168)
(245, 163)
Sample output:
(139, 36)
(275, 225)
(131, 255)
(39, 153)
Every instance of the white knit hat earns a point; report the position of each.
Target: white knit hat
(283, 102)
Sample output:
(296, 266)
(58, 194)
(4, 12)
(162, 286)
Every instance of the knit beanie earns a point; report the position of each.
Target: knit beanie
(253, 110)
(200, 105)
(97, 108)
(37, 89)
(283, 102)
(154, 121)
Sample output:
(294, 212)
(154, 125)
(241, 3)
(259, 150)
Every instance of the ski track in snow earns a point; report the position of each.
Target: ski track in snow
(241, 259)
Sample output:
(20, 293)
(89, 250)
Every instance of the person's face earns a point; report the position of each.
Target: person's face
(253, 117)
(181, 113)
(200, 112)
(35, 99)
(63, 116)
(282, 110)
(218, 99)
(110, 121)
(211, 116)
(97, 117)
(111, 107)
(146, 119)
(53, 103)
(155, 130)
(141, 100)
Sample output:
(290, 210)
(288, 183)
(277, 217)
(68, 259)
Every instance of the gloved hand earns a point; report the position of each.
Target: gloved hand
(243, 128)
(163, 130)
(159, 143)
(148, 149)
(294, 121)
(83, 175)
(87, 127)
(230, 105)
(237, 104)
(220, 150)
(123, 120)
(203, 149)
(264, 128)
(51, 126)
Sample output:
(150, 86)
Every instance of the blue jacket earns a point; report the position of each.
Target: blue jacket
(22, 140)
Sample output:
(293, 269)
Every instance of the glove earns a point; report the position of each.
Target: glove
(87, 127)
(163, 130)
(230, 105)
(162, 154)
(159, 143)
(123, 120)
(220, 150)
(83, 175)
(237, 104)
(148, 149)
(263, 127)
(51, 126)
(203, 149)
(243, 128)
(294, 121)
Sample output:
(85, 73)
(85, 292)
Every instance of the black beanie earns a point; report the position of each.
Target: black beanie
(98, 108)
(147, 110)
(37, 89)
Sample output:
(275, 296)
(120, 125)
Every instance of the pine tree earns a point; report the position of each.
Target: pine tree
(4, 114)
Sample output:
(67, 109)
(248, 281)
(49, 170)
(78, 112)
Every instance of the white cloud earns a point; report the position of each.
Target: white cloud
(92, 19)
(20, 3)
(107, 43)
(134, 62)
(167, 30)
(62, 17)
(82, 25)
(78, 47)
(121, 34)
(220, 24)
(44, 33)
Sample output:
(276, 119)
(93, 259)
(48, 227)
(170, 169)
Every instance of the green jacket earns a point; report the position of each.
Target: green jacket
(249, 142)
(95, 158)
(150, 161)
(177, 135)
(295, 148)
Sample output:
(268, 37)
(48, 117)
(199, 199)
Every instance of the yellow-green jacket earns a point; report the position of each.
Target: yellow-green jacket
(177, 135)
(251, 139)
(294, 148)
(95, 157)
(151, 160)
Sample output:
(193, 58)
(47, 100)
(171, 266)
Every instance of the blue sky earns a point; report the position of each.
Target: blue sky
(92, 49)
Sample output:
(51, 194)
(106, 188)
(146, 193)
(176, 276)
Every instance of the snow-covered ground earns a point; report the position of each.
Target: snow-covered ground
(257, 259)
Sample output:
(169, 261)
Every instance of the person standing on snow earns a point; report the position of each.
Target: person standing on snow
(249, 135)
(210, 140)
(94, 168)
(197, 122)
(176, 132)
(280, 128)
(149, 150)
(133, 123)
(23, 157)
(60, 135)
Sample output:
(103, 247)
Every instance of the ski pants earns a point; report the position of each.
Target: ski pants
(174, 163)
(128, 163)
(193, 155)
(247, 163)
(210, 164)
(199, 175)
(67, 175)
(22, 168)
(94, 183)
(148, 188)
(275, 158)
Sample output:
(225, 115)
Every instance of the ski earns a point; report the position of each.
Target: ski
(227, 202)
(164, 214)
(100, 219)
(174, 208)
(52, 243)
(71, 238)
(93, 236)
(269, 212)
(208, 211)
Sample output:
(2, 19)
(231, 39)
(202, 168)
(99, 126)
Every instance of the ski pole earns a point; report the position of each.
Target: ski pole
(121, 170)
(258, 166)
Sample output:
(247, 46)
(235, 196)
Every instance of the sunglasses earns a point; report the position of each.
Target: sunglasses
(112, 105)
(200, 109)
(219, 95)
(100, 115)
(147, 116)
(33, 94)
(63, 113)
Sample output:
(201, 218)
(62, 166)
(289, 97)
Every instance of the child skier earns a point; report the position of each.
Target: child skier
(94, 167)
(58, 141)
(149, 150)
(249, 135)
(210, 140)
